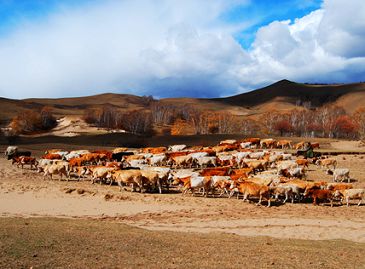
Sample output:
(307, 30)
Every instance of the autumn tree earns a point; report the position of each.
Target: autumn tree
(283, 126)
(33, 121)
(359, 118)
(346, 127)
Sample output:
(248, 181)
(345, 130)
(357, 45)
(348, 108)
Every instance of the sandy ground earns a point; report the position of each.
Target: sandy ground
(73, 125)
(26, 194)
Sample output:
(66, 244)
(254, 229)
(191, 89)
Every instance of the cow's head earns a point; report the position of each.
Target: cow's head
(11, 150)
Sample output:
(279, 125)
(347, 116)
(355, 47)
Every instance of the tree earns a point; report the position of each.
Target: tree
(137, 122)
(346, 126)
(359, 118)
(33, 121)
(283, 126)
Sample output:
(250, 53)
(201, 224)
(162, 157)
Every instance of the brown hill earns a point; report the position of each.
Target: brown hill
(288, 93)
(282, 95)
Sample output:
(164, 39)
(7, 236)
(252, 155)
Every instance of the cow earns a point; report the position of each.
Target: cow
(257, 165)
(319, 195)
(255, 142)
(157, 160)
(288, 191)
(267, 143)
(228, 142)
(118, 150)
(302, 162)
(299, 145)
(220, 182)
(240, 156)
(339, 186)
(248, 189)
(13, 151)
(175, 148)
(151, 179)
(216, 171)
(118, 156)
(206, 161)
(164, 174)
(25, 160)
(182, 161)
(349, 194)
(77, 161)
(76, 154)
(257, 155)
(245, 145)
(101, 174)
(129, 177)
(298, 172)
(340, 173)
(315, 145)
(284, 144)
(52, 156)
(154, 150)
(94, 158)
(326, 163)
(285, 165)
(59, 168)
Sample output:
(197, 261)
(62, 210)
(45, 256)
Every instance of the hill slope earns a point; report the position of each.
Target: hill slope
(350, 96)
(282, 95)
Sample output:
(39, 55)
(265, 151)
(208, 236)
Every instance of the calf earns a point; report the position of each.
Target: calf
(319, 195)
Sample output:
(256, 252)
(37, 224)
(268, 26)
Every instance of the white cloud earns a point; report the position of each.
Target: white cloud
(323, 46)
(176, 48)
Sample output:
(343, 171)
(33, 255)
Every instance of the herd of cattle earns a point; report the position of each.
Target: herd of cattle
(252, 168)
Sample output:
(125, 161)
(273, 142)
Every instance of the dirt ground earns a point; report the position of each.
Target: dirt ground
(186, 222)
(66, 243)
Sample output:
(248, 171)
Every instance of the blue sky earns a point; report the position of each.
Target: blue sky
(167, 48)
(260, 12)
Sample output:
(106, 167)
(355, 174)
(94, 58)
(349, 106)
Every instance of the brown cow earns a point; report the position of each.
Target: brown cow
(217, 171)
(315, 145)
(302, 162)
(284, 144)
(109, 154)
(25, 160)
(76, 162)
(252, 189)
(154, 150)
(339, 186)
(254, 141)
(52, 156)
(319, 195)
(300, 145)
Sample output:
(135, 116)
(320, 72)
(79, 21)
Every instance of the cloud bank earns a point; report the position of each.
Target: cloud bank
(170, 48)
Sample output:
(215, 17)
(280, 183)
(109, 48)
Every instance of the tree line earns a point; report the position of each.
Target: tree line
(327, 121)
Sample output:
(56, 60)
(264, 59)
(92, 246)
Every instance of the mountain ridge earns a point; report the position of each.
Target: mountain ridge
(282, 95)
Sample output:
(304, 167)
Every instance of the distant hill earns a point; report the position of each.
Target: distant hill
(290, 93)
(282, 95)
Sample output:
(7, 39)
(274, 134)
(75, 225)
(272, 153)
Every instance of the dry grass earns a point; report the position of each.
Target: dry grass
(66, 243)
